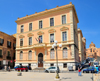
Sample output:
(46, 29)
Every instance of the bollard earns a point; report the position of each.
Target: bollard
(19, 73)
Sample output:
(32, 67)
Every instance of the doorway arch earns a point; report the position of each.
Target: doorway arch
(40, 60)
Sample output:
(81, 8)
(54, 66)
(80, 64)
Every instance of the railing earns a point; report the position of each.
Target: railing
(8, 57)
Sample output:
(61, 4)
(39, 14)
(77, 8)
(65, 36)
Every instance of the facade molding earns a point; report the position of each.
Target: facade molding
(64, 28)
(30, 35)
(21, 36)
(45, 28)
(51, 30)
(40, 33)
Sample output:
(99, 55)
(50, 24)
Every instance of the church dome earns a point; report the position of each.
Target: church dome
(92, 45)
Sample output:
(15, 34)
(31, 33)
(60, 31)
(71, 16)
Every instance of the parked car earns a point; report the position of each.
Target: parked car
(16, 66)
(29, 68)
(89, 69)
(70, 68)
(52, 69)
(22, 68)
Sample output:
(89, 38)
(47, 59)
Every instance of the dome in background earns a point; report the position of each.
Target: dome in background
(92, 45)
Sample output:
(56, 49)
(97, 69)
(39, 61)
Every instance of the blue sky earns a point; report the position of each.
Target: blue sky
(88, 12)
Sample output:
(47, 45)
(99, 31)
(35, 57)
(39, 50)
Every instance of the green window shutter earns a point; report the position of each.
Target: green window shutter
(8, 53)
(0, 52)
(0, 62)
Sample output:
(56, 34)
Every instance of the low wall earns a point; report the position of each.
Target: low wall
(96, 77)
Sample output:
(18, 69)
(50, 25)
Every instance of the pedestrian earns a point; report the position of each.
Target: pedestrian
(9, 68)
(5, 67)
(97, 69)
(79, 70)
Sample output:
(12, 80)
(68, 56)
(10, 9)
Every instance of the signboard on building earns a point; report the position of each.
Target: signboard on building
(5, 62)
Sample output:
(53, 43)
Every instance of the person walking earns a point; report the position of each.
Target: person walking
(79, 70)
(9, 68)
(5, 67)
(97, 69)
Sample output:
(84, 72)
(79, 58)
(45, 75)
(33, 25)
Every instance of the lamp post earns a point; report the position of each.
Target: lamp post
(55, 46)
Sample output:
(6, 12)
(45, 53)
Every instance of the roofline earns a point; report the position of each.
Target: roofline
(80, 31)
(47, 11)
(7, 34)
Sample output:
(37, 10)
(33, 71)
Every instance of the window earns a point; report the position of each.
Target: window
(0, 52)
(14, 45)
(64, 19)
(90, 50)
(30, 26)
(21, 55)
(22, 28)
(30, 55)
(52, 54)
(9, 44)
(0, 63)
(52, 64)
(1, 41)
(21, 42)
(8, 54)
(64, 52)
(40, 24)
(30, 40)
(51, 21)
(51, 38)
(93, 50)
(64, 36)
(64, 65)
(40, 39)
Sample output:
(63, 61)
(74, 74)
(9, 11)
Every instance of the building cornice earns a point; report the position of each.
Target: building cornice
(71, 6)
(79, 31)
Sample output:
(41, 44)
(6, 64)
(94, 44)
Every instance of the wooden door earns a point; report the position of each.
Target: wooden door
(40, 60)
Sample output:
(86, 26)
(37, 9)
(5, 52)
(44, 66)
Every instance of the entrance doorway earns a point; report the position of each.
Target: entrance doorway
(40, 60)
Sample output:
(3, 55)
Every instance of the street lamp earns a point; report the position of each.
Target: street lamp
(55, 46)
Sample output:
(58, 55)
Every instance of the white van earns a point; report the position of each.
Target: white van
(52, 69)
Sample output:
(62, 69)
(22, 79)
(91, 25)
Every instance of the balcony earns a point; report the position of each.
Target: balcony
(1, 56)
(9, 46)
(39, 45)
(8, 57)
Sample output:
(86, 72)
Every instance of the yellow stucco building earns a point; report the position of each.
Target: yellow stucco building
(81, 45)
(7, 49)
(36, 34)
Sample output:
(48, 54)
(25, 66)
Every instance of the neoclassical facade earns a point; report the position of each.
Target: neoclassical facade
(93, 52)
(36, 34)
(7, 49)
(81, 46)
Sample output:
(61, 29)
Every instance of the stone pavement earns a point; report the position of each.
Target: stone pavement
(33, 76)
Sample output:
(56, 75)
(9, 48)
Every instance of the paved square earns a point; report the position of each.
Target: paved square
(34, 76)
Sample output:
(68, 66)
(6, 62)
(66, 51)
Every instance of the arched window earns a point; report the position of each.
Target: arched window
(91, 50)
(64, 52)
(30, 55)
(21, 55)
(52, 56)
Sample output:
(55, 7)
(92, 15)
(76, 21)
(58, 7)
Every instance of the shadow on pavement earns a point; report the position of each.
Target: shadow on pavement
(66, 77)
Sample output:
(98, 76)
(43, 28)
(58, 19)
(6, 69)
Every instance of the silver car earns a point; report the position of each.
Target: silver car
(52, 69)
(70, 68)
